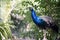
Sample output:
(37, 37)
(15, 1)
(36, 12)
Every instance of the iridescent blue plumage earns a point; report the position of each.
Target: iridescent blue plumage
(43, 21)
(37, 20)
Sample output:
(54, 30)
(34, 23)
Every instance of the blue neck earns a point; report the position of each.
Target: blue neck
(33, 14)
(35, 18)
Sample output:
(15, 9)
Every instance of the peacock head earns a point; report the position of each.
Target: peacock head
(30, 8)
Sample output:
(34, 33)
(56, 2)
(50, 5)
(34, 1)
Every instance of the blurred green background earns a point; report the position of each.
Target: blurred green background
(15, 19)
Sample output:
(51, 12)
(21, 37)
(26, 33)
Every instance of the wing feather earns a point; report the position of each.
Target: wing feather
(50, 22)
(47, 19)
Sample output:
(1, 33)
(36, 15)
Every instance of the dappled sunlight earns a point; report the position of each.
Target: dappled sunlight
(16, 22)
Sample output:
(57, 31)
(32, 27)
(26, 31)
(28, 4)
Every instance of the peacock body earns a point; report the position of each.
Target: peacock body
(43, 21)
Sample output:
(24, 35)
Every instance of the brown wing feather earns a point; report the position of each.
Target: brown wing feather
(47, 19)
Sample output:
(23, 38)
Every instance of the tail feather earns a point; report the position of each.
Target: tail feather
(55, 28)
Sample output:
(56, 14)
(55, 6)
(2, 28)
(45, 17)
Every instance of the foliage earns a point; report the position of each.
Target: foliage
(21, 18)
(5, 9)
(25, 27)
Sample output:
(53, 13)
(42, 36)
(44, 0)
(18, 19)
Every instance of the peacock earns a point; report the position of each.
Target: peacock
(43, 21)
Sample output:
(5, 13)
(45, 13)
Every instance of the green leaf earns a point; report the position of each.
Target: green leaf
(3, 32)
